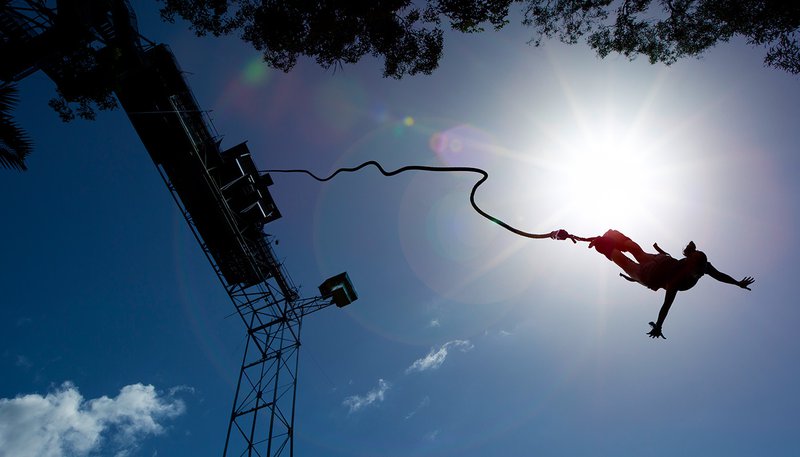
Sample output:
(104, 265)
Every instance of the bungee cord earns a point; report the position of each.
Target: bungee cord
(560, 234)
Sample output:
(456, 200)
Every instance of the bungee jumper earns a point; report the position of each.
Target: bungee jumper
(661, 270)
(655, 271)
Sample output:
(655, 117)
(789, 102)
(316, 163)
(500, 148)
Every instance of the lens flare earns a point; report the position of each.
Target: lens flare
(256, 72)
(464, 145)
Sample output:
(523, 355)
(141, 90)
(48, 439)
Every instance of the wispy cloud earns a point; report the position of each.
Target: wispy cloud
(23, 362)
(422, 404)
(356, 402)
(181, 388)
(437, 356)
(431, 436)
(434, 323)
(63, 424)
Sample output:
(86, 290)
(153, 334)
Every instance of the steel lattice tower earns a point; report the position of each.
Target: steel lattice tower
(262, 418)
(220, 193)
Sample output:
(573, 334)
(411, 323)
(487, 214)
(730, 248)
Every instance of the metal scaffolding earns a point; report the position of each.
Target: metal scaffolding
(262, 417)
(220, 193)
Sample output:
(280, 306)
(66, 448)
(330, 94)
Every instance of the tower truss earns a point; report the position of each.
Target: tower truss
(220, 193)
(262, 417)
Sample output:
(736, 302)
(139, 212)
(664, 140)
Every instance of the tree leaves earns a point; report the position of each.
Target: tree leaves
(409, 36)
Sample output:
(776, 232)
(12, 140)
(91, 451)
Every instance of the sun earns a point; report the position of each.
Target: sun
(605, 175)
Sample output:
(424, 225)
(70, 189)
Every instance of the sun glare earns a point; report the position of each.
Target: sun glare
(604, 177)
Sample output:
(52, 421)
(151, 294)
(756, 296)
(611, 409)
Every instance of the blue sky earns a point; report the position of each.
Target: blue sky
(466, 340)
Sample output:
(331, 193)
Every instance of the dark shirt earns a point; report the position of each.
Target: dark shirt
(665, 271)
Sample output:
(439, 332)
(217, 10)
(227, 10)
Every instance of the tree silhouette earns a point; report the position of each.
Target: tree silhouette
(15, 145)
(85, 79)
(65, 50)
(409, 37)
(688, 28)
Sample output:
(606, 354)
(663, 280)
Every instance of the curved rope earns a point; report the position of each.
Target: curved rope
(555, 234)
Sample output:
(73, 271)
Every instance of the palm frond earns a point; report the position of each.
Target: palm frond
(15, 144)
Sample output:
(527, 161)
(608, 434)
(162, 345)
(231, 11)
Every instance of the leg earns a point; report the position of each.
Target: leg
(630, 267)
(625, 244)
(637, 252)
(613, 240)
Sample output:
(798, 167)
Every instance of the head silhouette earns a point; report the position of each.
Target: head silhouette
(697, 259)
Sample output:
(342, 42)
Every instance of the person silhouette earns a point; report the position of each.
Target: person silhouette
(661, 270)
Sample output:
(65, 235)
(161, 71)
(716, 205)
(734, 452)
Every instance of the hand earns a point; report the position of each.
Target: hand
(656, 331)
(746, 282)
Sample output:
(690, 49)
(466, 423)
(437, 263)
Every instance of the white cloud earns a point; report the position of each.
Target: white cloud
(62, 423)
(434, 323)
(436, 357)
(356, 402)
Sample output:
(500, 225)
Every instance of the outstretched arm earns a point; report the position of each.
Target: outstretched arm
(662, 315)
(722, 277)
